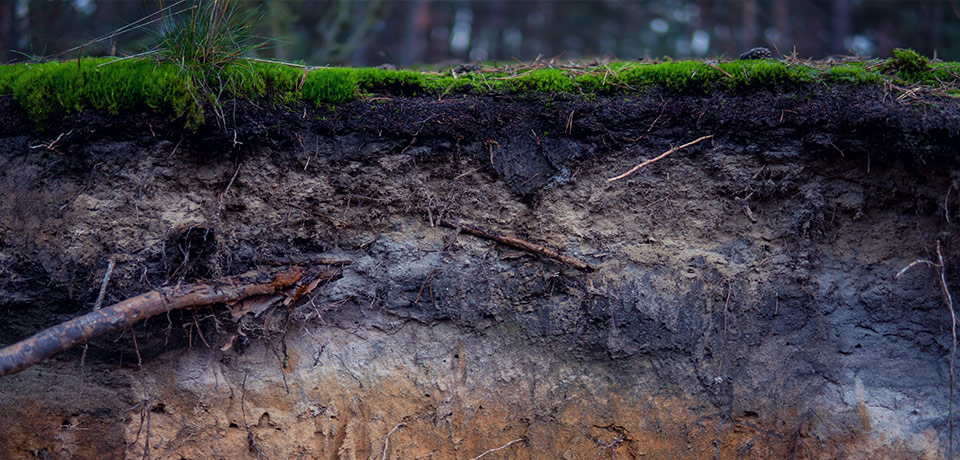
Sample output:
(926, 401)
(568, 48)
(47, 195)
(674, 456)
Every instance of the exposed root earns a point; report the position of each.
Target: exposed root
(49, 342)
(490, 451)
(658, 158)
(518, 243)
(940, 266)
(386, 441)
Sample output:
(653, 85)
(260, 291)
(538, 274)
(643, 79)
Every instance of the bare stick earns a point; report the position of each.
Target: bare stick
(662, 155)
(106, 280)
(49, 342)
(521, 439)
(386, 440)
(522, 244)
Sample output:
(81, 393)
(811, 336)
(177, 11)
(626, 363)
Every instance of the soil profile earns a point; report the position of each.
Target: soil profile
(743, 298)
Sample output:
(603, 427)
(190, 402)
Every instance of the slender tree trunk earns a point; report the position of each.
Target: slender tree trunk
(748, 24)
(5, 19)
(840, 25)
(9, 30)
(781, 18)
(416, 33)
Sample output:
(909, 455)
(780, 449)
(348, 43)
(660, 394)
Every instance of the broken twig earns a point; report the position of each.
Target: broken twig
(106, 280)
(662, 155)
(49, 342)
(522, 244)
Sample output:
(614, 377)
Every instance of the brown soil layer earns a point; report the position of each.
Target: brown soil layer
(744, 303)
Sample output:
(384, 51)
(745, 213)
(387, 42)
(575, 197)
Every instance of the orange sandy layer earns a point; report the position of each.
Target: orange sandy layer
(445, 407)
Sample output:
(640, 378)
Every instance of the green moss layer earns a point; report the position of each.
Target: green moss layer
(53, 89)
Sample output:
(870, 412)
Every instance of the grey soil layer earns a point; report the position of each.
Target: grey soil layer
(744, 302)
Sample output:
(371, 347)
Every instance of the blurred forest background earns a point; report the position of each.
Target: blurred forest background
(406, 33)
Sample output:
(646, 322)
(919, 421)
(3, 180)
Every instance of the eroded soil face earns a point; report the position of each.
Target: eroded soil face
(744, 303)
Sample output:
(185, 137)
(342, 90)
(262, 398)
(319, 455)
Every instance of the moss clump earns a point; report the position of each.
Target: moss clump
(909, 66)
(330, 86)
(279, 83)
(53, 89)
(854, 73)
(401, 82)
(702, 76)
(946, 71)
(541, 81)
(56, 88)
(9, 74)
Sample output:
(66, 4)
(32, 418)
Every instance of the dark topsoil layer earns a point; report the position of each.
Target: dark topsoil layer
(770, 247)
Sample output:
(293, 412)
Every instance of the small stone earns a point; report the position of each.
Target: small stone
(757, 53)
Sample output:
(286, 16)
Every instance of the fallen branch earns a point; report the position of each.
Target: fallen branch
(652, 160)
(56, 339)
(518, 243)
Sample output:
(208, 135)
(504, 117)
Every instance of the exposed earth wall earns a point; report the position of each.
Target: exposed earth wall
(744, 302)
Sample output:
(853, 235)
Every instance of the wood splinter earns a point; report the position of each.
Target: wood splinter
(521, 244)
(63, 336)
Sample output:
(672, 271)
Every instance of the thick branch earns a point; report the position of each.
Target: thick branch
(49, 342)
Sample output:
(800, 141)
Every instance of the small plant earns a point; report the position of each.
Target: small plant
(207, 41)
(909, 66)
(212, 35)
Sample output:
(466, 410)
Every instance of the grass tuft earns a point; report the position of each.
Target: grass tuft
(211, 36)
(209, 43)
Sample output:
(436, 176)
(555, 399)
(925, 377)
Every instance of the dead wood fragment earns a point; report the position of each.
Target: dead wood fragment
(518, 243)
(658, 158)
(56, 339)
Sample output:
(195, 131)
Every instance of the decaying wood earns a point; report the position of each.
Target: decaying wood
(518, 243)
(56, 339)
